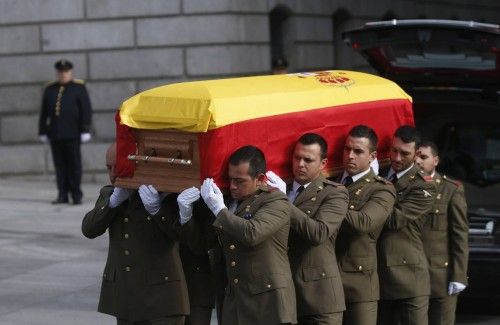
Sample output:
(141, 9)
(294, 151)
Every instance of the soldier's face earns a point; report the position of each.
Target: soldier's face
(64, 76)
(241, 184)
(426, 160)
(357, 156)
(402, 154)
(307, 163)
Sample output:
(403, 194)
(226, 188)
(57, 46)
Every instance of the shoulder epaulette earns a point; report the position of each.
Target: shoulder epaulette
(382, 180)
(79, 81)
(50, 83)
(453, 181)
(331, 183)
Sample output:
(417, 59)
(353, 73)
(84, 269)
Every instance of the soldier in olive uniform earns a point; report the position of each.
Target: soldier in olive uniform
(402, 265)
(65, 119)
(371, 199)
(445, 238)
(319, 206)
(143, 282)
(253, 233)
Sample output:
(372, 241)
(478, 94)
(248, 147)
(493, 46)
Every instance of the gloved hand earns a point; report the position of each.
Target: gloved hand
(185, 201)
(85, 137)
(150, 198)
(43, 138)
(118, 196)
(454, 288)
(212, 196)
(274, 180)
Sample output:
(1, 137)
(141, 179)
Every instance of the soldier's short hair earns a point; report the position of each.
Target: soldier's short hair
(430, 144)
(408, 134)
(313, 138)
(255, 158)
(363, 131)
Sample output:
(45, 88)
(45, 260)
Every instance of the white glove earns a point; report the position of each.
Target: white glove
(185, 201)
(212, 196)
(118, 196)
(274, 180)
(150, 198)
(454, 288)
(85, 137)
(43, 138)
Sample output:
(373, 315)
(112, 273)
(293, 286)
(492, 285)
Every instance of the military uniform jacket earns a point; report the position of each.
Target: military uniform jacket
(316, 216)
(143, 277)
(445, 236)
(371, 199)
(66, 111)
(254, 241)
(403, 268)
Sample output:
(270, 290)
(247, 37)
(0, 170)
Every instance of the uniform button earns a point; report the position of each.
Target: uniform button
(220, 227)
(233, 263)
(308, 211)
(323, 274)
(127, 269)
(445, 263)
(404, 261)
(313, 199)
(166, 278)
(197, 268)
(351, 207)
(269, 286)
(235, 281)
(103, 207)
(126, 236)
(232, 247)
(162, 218)
(125, 220)
(149, 218)
(126, 252)
(360, 268)
(437, 210)
(104, 275)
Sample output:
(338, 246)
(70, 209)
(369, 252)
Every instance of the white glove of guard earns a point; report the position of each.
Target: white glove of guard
(85, 137)
(185, 201)
(118, 196)
(454, 288)
(212, 196)
(274, 180)
(43, 138)
(150, 198)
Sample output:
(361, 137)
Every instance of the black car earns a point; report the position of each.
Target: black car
(452, 71)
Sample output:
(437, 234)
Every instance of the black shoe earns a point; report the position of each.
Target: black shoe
(60, 200)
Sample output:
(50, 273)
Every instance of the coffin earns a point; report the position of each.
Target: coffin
(176, 135)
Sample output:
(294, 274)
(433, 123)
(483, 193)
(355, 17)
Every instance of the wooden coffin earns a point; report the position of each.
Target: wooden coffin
(179, 134)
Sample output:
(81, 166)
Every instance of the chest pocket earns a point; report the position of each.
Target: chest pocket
(357, 264)
(438, 217)
(316, 273)
(268, 283)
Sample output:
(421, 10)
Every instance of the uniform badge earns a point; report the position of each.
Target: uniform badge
(247, 216)
(426, 194)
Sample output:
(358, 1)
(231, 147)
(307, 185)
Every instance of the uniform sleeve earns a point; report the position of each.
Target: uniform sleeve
(458, 236)
(101, 216)
(42, 121)
(326, 220)
(271, 217)
(374, 212)
(415, 204)
(85, 111)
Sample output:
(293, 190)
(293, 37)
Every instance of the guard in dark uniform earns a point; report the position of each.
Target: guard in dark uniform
(445, 238)
(65, 120)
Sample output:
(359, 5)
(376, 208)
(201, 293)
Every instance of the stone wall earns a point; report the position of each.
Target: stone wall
(121, 47)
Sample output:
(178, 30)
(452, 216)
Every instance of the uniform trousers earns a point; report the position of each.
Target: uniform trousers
(442, 310)
(361, 313)
(68, 166)
(174, 320)
(199, 316)
(323, 319)
(409, 311)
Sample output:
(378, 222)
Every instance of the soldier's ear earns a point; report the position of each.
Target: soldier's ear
(261, 178)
